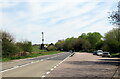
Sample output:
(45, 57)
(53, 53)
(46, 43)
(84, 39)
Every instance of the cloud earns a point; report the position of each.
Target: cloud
(58, 19)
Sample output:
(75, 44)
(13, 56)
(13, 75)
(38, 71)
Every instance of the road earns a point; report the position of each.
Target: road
(33, 67)
(87, 66)
(63, 66)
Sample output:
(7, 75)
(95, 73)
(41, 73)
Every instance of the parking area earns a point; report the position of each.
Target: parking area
(87, 65)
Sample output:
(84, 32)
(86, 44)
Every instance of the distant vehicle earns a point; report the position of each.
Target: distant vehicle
(95, 53)
(99, 52)
(71, 51)
(106, 54)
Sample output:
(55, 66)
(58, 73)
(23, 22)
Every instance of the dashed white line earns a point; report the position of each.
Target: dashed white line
(31, 63)
(54, 66)
(57, 65)
(48, 58)
(16, 66)
(51, 69)
(43, 76)
(47, 72)
(41, 60)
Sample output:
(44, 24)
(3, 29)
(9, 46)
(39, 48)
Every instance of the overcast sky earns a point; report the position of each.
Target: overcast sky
(58, 19)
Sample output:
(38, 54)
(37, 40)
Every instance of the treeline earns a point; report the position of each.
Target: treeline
(87, 42)
(92, 41)
(11, 48)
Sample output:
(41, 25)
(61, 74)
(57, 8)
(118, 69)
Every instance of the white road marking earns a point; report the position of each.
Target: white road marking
(43, 76)
(51, 69)
(54, 66)
(48, 58)
(8, 69)
(47, 72)
(16, 66)
(30, 63)
(64, 60)
(41, 60)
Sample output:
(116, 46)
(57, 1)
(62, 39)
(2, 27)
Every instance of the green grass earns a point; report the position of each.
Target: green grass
(115, 54)
(5, 59)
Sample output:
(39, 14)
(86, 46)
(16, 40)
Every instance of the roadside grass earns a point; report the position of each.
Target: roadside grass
(5, 59)
(115, 55)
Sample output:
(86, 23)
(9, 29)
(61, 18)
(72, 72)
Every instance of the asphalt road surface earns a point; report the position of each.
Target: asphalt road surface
(32, 67)
(87, 66)
(63, 66)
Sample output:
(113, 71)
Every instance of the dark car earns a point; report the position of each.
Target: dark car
(70, 51)
(95, 53)
(106, 54)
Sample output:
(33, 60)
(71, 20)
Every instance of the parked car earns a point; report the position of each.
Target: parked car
(99, 52)
(106, 54)
(95, 53)
(70, 51)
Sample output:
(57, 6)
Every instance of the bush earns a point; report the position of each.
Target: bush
(91, 50)
(9, 49)
(51, 48)
(8, 46)
(112, 41)
(26, 46)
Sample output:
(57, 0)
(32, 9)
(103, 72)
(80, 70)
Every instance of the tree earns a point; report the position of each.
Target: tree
(51, 47)
(99, 45)
(8, 46)
(27, 46)
(68, 44)
(112, 40)
(77, 44)
(83, 35)
(93, 38)
(115, 16)
(59, 44)
(86, 45)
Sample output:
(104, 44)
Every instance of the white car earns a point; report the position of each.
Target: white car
(99, 52)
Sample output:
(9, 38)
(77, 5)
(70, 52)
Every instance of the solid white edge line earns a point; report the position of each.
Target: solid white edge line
(56, 66)
(64, 60)
(29, 63)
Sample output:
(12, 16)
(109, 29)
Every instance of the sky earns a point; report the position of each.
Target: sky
(58, 19)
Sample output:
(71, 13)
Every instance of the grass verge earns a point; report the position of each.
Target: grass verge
(115, 55)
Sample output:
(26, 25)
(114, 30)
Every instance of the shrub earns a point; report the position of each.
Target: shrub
(8, 46)
(51, 48)
(27, 46)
